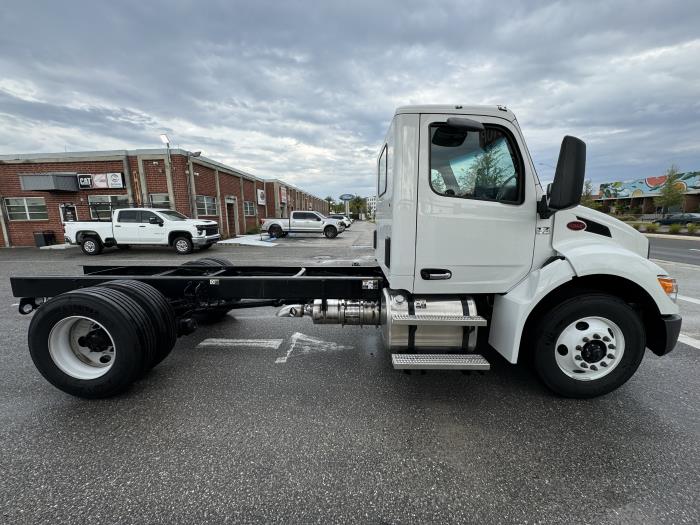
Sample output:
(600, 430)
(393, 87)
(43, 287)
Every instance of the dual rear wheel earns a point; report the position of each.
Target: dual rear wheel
(94, 342)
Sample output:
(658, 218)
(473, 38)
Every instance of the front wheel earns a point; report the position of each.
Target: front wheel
(183, 245)
(589, 345)
(330, 232)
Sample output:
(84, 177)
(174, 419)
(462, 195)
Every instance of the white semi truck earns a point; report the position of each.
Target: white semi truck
(471, 251)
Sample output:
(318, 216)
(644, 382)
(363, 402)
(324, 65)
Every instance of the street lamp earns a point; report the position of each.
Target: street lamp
(165, 140)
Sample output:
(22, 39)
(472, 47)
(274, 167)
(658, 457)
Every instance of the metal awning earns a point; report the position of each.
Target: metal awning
(64, 181)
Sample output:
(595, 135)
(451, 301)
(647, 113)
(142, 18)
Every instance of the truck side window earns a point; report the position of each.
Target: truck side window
(381, 172)
(146, 216)
(129, 216)
(474, 165)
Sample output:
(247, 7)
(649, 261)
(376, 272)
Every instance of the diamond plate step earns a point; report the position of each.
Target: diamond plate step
(439, 362)
(438, 320)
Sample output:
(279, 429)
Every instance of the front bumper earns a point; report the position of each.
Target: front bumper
(666, 338)
(208, 239)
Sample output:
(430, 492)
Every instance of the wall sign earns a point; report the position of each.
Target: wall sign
(88, 181)
(283, 195)
(261, 197)
(84, 182)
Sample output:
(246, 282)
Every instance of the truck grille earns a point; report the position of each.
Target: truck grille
(211, 230)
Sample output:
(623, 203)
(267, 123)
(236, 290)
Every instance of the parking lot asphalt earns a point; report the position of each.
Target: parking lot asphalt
(682, 250)
(310, 424)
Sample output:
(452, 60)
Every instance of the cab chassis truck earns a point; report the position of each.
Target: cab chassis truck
(471, 250)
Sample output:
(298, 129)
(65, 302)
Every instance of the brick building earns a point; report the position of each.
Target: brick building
(38, 192)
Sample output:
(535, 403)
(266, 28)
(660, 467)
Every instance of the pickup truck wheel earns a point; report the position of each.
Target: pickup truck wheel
(183, 245)
(91, 246)
(159, 311)
(330, 232)
(275, 231)
(89, 343)
(589, 345)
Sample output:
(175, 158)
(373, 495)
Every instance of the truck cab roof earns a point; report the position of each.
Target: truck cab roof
(458, 109)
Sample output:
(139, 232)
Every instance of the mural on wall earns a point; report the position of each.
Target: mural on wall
(649, 187)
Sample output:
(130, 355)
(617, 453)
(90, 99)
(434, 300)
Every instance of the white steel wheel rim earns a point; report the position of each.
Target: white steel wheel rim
(68, 350)
(181, 245)
(589, 348)
(90, 246)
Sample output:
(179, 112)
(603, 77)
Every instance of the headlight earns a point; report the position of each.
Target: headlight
(670, 286)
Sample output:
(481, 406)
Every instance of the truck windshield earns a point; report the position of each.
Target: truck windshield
(173, 215)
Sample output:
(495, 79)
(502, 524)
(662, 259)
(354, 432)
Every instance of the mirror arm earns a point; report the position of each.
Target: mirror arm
(543, 209)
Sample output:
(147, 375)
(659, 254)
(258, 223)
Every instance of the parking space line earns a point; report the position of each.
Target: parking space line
(689, 299)
(255, 343)
(690, 341)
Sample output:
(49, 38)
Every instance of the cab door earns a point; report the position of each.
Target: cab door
(476, 207)
(126, 229)
(151, 233)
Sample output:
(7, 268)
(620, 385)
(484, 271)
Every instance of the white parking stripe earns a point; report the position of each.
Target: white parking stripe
(256, 343)
(693, 249)
(689, 299)
(690, 341)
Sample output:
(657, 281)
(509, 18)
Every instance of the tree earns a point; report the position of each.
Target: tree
(358, 205)
(671, 193)
(330, 200)
(587, 196)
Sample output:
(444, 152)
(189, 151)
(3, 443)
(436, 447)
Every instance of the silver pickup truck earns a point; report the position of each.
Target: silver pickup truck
(303, 222)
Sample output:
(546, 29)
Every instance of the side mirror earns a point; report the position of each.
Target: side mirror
(567, 187)
(155, 220)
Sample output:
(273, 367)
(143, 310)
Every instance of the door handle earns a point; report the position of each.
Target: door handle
(117, 225)
(435, 274)
(142, 226)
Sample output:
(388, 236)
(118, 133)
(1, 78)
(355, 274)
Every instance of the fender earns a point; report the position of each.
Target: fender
(511, 310)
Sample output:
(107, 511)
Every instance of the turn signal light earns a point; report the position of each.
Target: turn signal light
(670, 286)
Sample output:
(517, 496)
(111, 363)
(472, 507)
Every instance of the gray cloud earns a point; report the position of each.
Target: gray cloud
(305, 90)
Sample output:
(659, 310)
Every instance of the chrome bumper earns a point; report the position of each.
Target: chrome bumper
(209, 239)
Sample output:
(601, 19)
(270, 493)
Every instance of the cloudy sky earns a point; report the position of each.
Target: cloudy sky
(304, 91)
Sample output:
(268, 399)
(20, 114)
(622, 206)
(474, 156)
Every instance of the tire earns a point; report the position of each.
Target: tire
(275, 231)
(216, 313)
(159, 311)
(91, 245)
(183, 245)
(330, 232)
(588, 346)
(115, 321)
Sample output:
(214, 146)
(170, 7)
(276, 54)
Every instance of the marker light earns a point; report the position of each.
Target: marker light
(670, 286)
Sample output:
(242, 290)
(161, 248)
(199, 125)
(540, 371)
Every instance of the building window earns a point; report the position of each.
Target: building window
(101, 206)
(249, 209)
(26, 209)
(159, 200)
(206, 205)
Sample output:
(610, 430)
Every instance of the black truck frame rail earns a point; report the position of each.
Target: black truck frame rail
(224, 283)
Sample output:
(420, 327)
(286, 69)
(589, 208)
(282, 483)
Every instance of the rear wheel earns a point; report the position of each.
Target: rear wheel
(275, 231)
(90, 343)
(159, 311)
(91, 246)
(589, 345)
(183, 245)
(330, 232)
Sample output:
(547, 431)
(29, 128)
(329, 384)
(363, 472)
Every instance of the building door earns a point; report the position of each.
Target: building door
(232, 216)
(68, 212)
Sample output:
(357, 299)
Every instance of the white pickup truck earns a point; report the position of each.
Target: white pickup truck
(143, 226)
(303, 222)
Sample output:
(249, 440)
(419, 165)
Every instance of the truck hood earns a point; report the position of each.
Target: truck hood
(600, 229)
